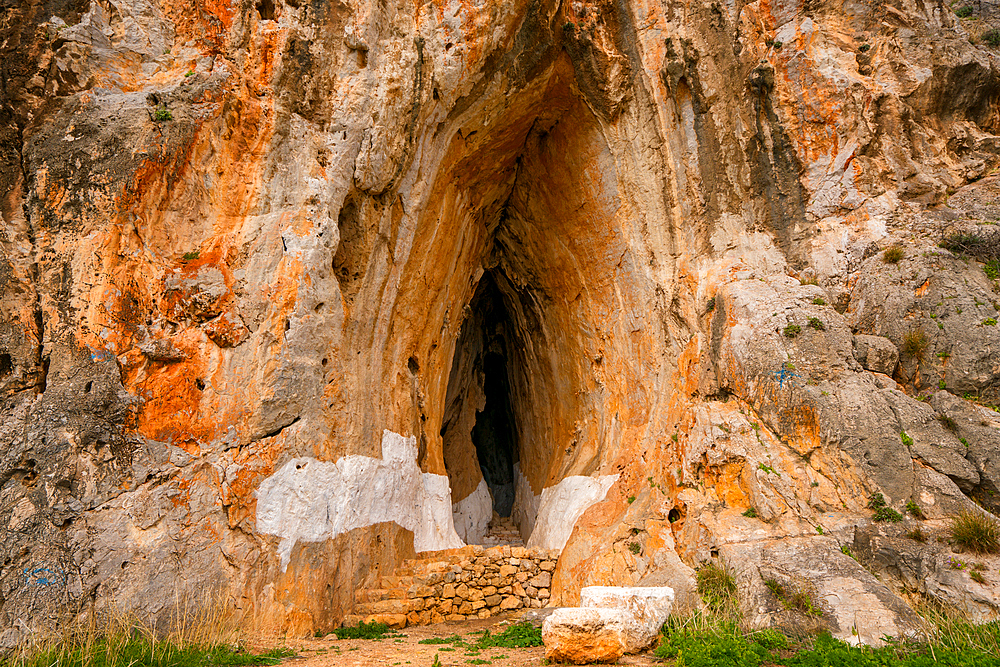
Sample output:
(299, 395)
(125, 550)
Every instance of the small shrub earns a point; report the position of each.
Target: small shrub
(948, 422)
(799, 599)
(162, 114)
(363, 630)
(893, 254)
(751, 513)
(917, 535)
(635, 547)
(777, 45)
(710, 305)
(992, 37)
(982, 245)
(846, 550)
(864, 48)
(990, 322)
(819, 301)
(717, 588)
(907, 440)
(977, 577)
(914, 343)
(992, 267)
(189, 256)
(190, 72)
(883, 514)
(876, 500)
(817, 324)
(792, 330)
(976, 532)
(631, 499)
(809, 280)
(914, 509)
(964, 12)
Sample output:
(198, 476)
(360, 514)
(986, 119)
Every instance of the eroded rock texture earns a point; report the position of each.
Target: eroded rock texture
(559, 245)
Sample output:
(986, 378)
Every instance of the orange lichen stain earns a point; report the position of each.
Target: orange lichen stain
(922, 290)
(727, 482)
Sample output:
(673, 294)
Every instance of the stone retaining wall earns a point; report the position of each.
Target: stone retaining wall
(458, 584)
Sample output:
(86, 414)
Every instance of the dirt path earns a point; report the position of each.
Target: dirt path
(406, 649)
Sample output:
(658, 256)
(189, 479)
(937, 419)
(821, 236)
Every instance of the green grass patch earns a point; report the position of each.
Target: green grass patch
(520, 635)
(141, 651)
(363, 630)
(951, 644)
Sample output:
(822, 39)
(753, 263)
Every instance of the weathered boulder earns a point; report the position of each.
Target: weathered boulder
(650, 606)
(978, 430)
(810, 584)
(876, 353)
(583, 635)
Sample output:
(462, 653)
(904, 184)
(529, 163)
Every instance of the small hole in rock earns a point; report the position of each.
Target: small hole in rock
(412, 364)
(319, 307)
(447, 47)
(324, 362)
(435, 94)
(87, 387)
(266, 9)
(6, 365)
(200, 384)
(674, 515)
(714, 553)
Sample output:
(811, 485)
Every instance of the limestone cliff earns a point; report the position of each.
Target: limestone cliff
(292, 290)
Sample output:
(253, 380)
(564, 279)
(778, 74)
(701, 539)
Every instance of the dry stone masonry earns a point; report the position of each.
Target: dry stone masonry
(459, 584)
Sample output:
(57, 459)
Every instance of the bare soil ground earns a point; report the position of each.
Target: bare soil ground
(406, 649)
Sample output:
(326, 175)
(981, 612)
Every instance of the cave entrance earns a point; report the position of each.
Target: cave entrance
(481, 435)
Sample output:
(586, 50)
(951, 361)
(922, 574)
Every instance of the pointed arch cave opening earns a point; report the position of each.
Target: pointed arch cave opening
(481, 434)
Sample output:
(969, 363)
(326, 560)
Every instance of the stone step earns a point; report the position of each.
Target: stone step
(389, 607)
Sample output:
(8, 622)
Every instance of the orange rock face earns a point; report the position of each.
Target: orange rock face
(238, 238)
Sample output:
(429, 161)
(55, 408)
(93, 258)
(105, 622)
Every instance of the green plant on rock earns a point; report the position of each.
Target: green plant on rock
(751, 513)
(819, 301)
(914, 509)
(817, 324)
(162, 114)
(948, 422)
(893, 254)
(992, 267)
(914, 343)
(990, 322)
(917, 535)
(796, 598)
(190, 256)
(975, 532)
(964, 12)
(635, 547)
(907, 440)
(792, 330)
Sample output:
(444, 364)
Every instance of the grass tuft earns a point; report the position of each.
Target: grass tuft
(914, 343)
(717, 588)
(893, 254)
(976, 532)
